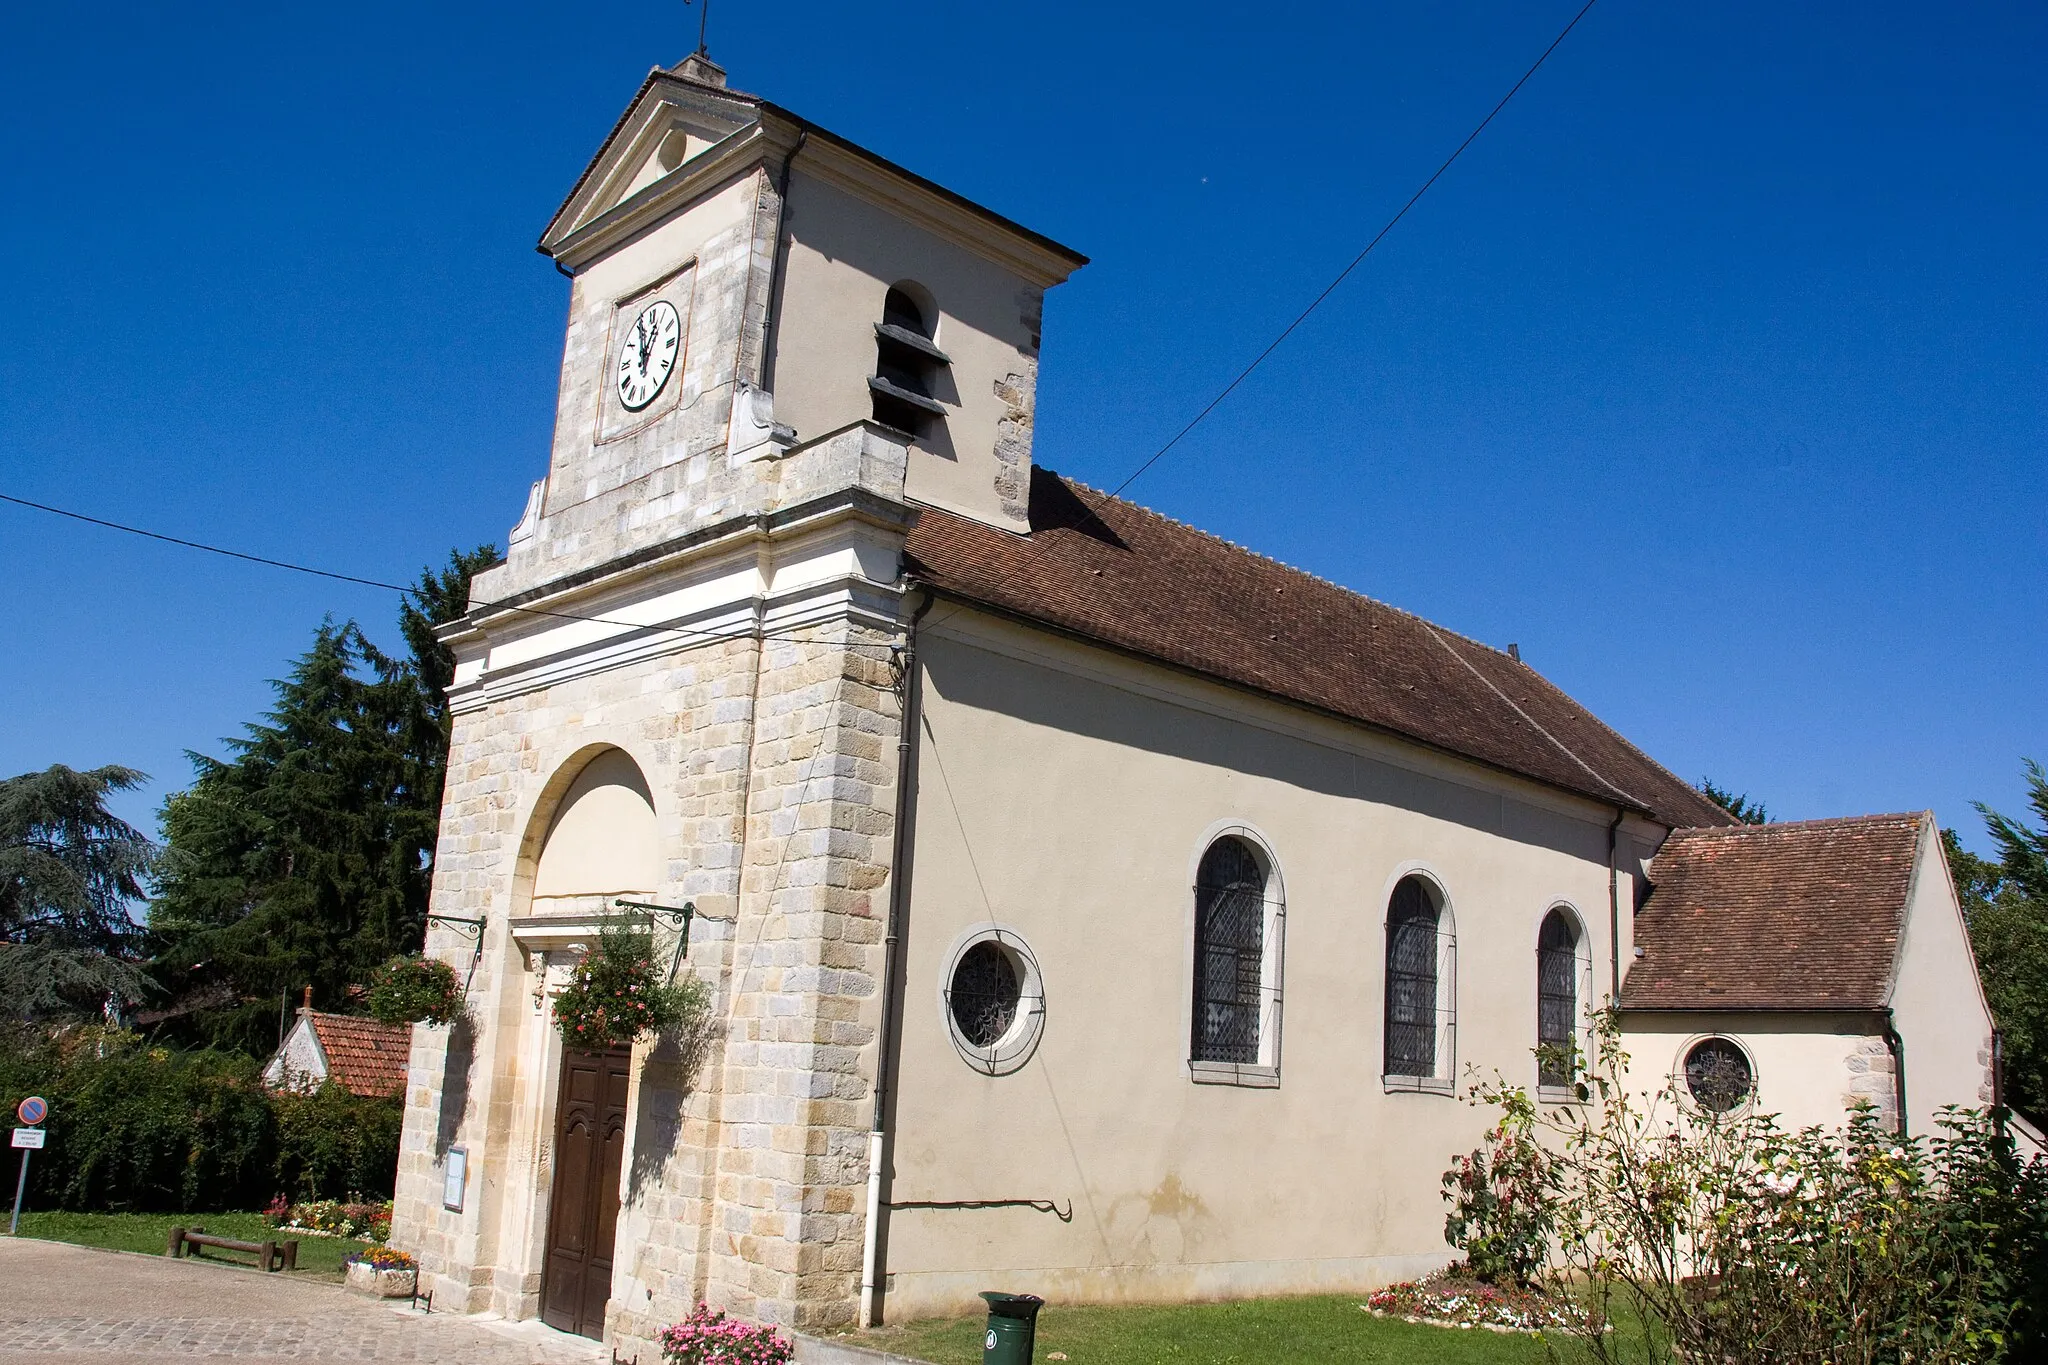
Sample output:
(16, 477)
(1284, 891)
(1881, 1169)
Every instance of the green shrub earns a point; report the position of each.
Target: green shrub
(134, 1127)
(331, 1143)
(1502, 1209)
(1729, 1239)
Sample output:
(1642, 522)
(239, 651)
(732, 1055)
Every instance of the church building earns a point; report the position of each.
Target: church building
(1091, 907)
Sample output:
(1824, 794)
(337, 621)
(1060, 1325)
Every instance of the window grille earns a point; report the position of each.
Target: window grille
(1557, 1001)
(985, 994)
(1421, 1020)
(1718, 1074)
(1230, 930)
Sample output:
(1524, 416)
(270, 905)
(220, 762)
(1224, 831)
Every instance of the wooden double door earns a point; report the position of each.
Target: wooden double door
(583, 1215)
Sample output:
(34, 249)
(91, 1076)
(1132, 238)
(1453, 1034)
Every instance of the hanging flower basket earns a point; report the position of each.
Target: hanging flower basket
(618, 994)
(411, 990)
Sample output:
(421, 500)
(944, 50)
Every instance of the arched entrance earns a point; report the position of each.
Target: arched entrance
(602, 843)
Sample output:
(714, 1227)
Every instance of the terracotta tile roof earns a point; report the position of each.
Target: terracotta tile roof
(364, 1056)
(1119, 574)
(1803, 915)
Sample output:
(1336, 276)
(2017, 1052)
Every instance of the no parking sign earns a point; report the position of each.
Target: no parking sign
(29, 1138)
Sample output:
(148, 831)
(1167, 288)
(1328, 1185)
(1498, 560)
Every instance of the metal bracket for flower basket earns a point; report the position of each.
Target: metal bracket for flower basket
(677, 918)
(468, 928)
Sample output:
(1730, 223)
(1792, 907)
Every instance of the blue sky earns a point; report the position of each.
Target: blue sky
(1713, 375)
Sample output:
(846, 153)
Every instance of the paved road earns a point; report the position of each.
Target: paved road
(62, 1303)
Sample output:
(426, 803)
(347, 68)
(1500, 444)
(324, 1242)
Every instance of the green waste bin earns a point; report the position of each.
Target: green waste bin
(1012, 1324)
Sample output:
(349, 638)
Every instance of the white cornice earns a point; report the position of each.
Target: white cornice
(848, 168)
(711, 169)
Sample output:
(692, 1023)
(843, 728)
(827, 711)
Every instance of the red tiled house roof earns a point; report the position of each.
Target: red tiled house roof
(1798, 916)
(1119, 575)
(363, 1056)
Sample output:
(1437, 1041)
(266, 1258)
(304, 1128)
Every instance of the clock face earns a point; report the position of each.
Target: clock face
(652, 344)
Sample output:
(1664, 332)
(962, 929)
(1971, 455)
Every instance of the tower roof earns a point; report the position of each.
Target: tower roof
(610, 200)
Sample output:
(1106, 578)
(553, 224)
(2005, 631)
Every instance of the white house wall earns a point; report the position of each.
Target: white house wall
(1937, 1004)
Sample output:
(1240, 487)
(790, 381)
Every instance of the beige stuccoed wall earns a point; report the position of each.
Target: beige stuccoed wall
(1808, 1066)
(1812, 1067)
(1065, 793)
(1937, 1003)
(843, 255)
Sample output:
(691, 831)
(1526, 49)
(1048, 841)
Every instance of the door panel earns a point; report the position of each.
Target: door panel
(583, 1216)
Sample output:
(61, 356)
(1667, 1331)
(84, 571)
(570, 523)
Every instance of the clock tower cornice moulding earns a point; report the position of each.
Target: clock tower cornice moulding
(581, 233)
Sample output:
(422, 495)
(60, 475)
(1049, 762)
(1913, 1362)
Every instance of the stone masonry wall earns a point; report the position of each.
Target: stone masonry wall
(1873, 1079)
(747, 1171)
(609, 496)
(685, 718)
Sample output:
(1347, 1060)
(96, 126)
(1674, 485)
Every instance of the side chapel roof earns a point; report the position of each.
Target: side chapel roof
(1805, 915)
(363, 1056)
(1121, 575)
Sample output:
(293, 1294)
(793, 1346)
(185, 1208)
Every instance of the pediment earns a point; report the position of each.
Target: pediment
(670, 124)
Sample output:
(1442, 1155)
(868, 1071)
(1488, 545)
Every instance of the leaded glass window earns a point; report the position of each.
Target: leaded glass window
(1718, 1074)
(1557, 1000)
(1412, 983)
(985, 994)
(1230, 946)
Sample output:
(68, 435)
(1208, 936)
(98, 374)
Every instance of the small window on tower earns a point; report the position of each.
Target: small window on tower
(908, 364)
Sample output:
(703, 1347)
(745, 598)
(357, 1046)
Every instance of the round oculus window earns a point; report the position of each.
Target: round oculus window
(1718, 1075)
(985, 994)
(994, 1005)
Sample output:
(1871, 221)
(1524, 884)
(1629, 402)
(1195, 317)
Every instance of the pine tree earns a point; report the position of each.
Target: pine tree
(1741, 807)
(69, 871)
(2006, 903)
(304, 858)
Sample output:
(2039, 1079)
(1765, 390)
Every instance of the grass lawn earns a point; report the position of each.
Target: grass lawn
(1249, 1332)
(319, 1257)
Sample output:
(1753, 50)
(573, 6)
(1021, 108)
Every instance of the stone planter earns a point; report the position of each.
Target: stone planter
(364, 1278)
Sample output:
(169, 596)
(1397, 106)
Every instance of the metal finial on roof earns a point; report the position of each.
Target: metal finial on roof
(703, 22)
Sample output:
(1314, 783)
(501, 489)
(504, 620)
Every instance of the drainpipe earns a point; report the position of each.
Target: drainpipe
(1897, 1046)
(1614, 907)
(778, 264)
(1998, 1087)
(899, 907)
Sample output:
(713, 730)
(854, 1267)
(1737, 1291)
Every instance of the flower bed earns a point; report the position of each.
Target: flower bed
(367, 1219)
(1451, 1298)
(709, 1337)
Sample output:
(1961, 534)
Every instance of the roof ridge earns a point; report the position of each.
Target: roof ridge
(1784, 826)
(1264, 558)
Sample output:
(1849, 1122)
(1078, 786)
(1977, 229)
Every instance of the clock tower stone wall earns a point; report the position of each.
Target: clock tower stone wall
(705, 597)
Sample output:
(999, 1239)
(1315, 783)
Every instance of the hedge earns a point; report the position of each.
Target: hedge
(149, 1129)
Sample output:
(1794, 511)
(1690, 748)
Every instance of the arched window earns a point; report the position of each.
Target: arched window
(908, 363)
(1420, 972)
(1230, 950)
(1557, 1001)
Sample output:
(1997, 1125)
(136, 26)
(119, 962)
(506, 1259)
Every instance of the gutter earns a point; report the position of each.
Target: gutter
(892, 975)
(1614, 904)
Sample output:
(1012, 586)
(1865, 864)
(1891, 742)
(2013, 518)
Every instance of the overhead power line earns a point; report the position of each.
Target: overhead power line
(1357, 260)
(405, 590)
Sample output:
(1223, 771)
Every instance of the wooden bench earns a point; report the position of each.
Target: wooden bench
(270, 1256)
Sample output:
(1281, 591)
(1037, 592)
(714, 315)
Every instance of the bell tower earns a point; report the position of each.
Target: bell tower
(779, 347)
(760, 309)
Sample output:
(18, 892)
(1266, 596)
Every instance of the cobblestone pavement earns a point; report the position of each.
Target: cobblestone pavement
(61, 1303)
